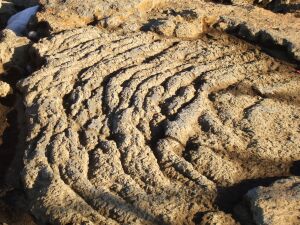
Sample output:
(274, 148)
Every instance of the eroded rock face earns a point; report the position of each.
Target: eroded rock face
(13, 57)
(246, 21)
(136, 128)
(277, 204)
(218, 218)
(13, 53)
(69, 14)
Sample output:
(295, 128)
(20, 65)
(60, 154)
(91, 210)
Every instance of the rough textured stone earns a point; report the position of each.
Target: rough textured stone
(218, 218)
(5, 89)
(136, 128)
(13, 52)
(12, 59)
(269, 29)
(277, 204)
(10, 216)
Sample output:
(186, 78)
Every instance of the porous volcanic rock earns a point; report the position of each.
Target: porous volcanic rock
(13, 53)
(276, 204)
(5, 89)
(246, 21)
(218, 218)
(136, 128)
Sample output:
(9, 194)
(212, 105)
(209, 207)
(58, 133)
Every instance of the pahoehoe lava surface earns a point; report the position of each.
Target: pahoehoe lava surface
(135, 128)
(244, 20)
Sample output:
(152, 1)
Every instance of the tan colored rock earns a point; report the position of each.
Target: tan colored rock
(70, 14)
(276, 204)
(218, 218)
(5, 89)
(13, 52)
(246, 21)
(136, 128)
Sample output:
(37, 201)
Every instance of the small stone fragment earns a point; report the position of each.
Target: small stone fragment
(5, 89)
(218, 218)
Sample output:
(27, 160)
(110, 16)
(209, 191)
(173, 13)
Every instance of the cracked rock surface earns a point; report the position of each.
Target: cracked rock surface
(136, 128)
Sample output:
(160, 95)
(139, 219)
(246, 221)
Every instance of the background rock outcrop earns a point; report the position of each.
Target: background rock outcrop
(247, 21)
(13, 61)
(276, 204)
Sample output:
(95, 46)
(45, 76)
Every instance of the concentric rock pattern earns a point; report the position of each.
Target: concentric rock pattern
(135, 128)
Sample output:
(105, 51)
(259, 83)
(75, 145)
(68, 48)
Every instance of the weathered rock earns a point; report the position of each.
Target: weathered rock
(70, 14)
(5, 89)
(136, 128)
(218, 218)
(13, 52)
(247, 21)
(277, 204)
(13, 60)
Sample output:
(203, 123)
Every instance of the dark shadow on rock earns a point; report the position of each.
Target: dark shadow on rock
(295, 168)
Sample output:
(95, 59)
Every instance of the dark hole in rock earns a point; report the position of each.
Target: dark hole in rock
(295, 168)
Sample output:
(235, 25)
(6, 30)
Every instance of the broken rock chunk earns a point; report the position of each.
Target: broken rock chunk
(276, 204)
